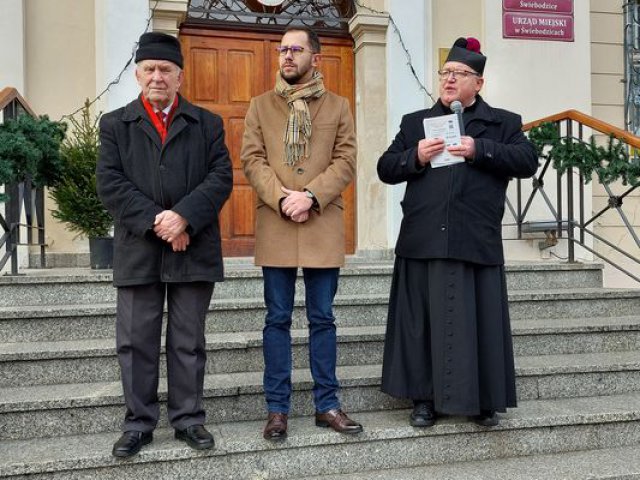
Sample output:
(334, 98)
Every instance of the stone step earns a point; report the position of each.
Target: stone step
(87, 287)
(71, 409)
(539, 427)
(97, 320)
(601, 464)
(94, 360)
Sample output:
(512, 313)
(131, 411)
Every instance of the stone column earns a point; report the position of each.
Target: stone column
(168, 15)
(369, 32)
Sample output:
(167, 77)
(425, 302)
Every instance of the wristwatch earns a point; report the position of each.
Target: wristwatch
(312, 197)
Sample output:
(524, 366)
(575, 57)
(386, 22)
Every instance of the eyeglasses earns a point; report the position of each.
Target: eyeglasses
(294, 49)
(444, 74)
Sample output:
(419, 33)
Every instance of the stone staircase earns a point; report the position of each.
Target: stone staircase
(577, 362)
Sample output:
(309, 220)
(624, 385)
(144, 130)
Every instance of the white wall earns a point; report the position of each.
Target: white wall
(119, 24)
(413, 19)
(537, 78)
(12, 49)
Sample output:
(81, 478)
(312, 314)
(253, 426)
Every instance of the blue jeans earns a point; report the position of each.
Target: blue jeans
(279, 288)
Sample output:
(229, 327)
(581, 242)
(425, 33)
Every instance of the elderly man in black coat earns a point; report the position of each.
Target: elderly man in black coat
(164, 174)
(448, 343)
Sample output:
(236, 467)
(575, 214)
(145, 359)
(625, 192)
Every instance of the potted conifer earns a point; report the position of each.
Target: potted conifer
(75, 195)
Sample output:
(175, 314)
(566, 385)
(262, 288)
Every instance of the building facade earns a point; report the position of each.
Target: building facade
(59, 53)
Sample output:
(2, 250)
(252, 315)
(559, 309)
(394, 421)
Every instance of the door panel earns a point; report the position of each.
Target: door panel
(223, 71)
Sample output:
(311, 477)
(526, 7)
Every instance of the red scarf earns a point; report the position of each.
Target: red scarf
(161, 127)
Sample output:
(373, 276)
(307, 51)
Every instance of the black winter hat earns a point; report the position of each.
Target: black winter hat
(159, 46)
(467, 51)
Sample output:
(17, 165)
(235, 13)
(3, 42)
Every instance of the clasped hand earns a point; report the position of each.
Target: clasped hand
(430, 147)
(296, 205)
(170, 227)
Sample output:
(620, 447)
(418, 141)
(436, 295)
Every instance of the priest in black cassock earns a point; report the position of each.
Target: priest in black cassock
(448, 342)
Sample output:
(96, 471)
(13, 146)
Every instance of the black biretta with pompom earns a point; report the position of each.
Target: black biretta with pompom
(467, 51)
(159, 46)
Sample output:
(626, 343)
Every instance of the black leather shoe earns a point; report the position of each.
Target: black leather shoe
(130, 443)
(196, 437)
(423, 415)
(487, 418)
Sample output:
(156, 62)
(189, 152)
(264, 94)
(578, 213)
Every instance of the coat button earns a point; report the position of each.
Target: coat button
(443, 227)
(300, 171)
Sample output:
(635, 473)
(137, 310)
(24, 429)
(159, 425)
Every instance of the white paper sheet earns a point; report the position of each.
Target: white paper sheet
(446, 127)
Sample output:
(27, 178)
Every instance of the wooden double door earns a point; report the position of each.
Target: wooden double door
(223, 71)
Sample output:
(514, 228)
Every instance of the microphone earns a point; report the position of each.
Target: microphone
(456, 107)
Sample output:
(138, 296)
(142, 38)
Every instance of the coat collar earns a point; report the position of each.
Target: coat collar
(475, 117)
(186, 112)
(135, 110)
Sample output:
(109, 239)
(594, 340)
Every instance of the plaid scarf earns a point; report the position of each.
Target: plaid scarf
(298, 132)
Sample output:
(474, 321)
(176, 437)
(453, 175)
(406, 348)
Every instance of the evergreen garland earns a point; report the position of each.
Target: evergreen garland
(30, 149)
(75, 195)
(610, 163)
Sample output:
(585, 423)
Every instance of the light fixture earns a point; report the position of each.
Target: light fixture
(271, 3)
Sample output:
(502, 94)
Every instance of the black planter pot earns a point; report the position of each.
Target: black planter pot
(101, 252)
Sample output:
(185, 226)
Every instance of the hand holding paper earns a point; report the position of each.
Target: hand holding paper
(466, 148)
(429, 148)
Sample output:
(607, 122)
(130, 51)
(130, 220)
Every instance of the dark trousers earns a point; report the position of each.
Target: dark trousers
(138, 334)
(321, 285)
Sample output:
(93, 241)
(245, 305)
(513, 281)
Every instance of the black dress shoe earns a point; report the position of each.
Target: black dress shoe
(130, 443)
(487, 418)
(423, 415)
(196, 437)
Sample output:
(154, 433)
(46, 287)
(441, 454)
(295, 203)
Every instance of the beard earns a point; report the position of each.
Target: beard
(294, 76)
(291, 78)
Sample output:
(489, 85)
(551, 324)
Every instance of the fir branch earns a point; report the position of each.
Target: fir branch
(611, 163)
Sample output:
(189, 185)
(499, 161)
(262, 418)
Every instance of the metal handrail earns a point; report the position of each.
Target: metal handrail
(570, 217)
(23, 197)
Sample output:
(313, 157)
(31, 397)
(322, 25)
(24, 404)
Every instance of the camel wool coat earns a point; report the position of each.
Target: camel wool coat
(330, 167)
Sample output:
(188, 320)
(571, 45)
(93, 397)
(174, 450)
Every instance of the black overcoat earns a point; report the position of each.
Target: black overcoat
(138, 177)
(456, 212)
